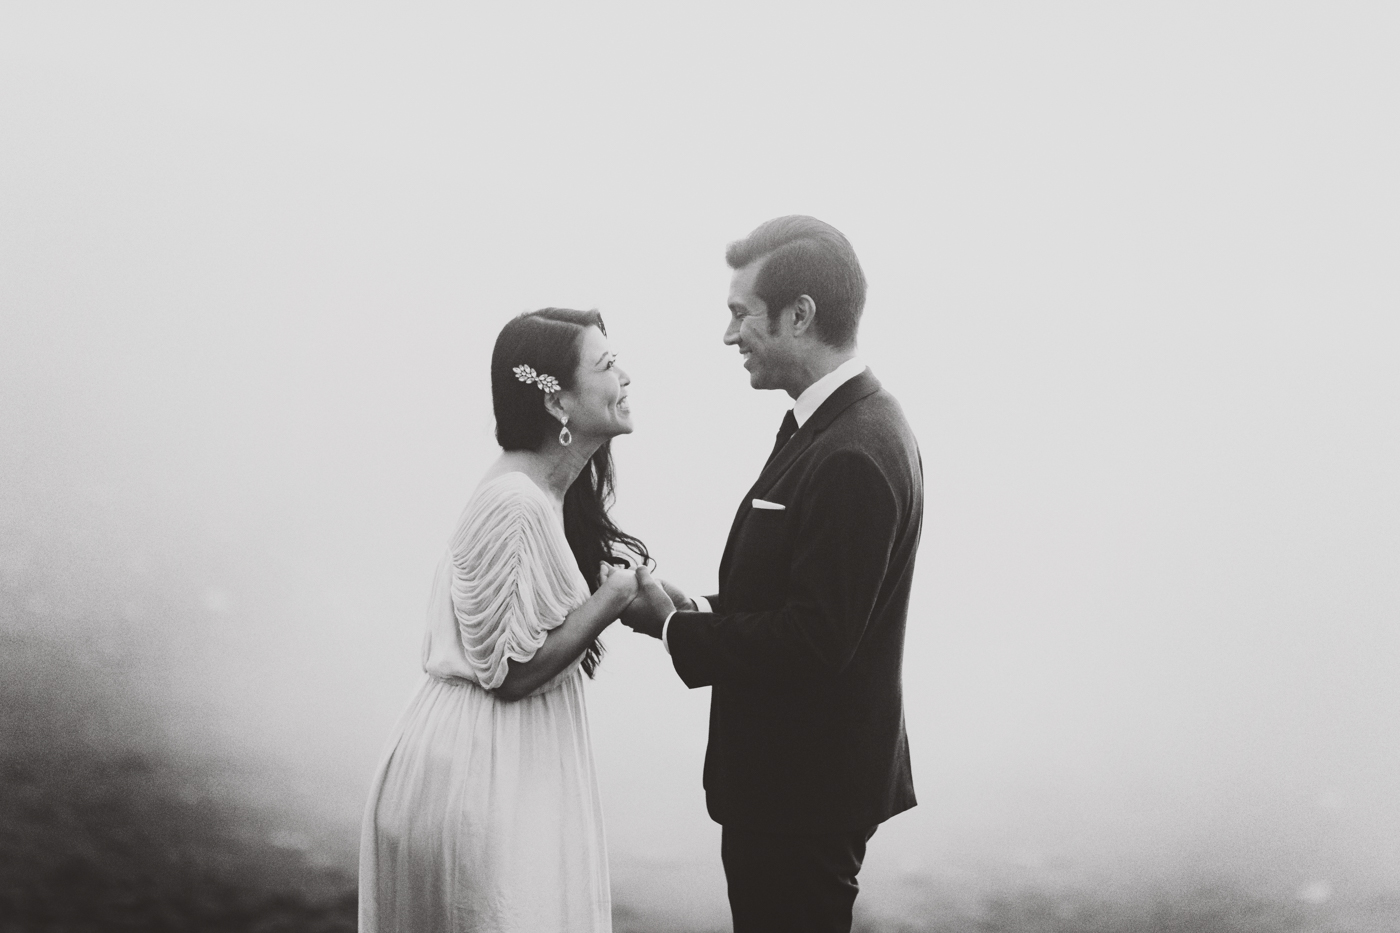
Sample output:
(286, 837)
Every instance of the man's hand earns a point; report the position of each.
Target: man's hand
(679, 599)
(648, 611)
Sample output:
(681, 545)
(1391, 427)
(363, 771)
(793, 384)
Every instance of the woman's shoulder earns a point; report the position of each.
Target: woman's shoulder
(508, 499)
(510, 486)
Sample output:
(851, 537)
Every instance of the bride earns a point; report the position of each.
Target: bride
(484, 814)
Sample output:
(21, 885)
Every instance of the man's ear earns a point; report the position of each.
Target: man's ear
(804, 314)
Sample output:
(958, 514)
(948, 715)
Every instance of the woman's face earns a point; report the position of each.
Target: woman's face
(597, 403)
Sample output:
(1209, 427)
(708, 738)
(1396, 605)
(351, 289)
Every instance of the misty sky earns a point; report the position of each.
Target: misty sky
(1133, 276)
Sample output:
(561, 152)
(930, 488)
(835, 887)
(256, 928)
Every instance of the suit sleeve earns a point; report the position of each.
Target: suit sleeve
(846, 531)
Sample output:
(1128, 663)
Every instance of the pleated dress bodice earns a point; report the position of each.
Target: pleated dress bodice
(507, 578)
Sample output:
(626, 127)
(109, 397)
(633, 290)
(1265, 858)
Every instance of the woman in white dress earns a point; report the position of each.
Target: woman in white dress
(484, 814)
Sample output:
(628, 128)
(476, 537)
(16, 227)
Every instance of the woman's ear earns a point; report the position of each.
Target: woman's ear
(555, 406)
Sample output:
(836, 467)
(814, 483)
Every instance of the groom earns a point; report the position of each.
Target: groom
(803, 645)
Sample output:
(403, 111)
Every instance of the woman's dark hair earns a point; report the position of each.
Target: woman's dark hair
(548, 342)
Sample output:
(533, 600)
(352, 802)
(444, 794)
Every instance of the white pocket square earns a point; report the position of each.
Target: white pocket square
(765, 504)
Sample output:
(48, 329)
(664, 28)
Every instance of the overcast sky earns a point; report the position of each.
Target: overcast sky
(1133, 275)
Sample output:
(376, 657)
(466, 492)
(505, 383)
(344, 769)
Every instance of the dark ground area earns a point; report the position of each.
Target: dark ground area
(104, 828)
(95, 842)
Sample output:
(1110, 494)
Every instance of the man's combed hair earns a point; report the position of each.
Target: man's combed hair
(805, 256)
(548, 342)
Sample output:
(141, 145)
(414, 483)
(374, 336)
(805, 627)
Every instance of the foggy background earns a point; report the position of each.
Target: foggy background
(1133, 275)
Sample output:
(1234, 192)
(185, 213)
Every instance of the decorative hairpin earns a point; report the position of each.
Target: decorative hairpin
(527, 375)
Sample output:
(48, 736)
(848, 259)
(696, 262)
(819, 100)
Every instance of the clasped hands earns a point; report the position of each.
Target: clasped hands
(652, 599)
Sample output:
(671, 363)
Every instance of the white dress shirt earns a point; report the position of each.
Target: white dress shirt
(812, 397)
(806, 405)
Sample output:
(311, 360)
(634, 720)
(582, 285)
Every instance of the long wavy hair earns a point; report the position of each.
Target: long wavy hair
(548, 342)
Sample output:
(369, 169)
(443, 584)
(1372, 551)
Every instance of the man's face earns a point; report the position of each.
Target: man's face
(766, 354)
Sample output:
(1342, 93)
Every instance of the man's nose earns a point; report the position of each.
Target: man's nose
(731, 333)
(623, 379)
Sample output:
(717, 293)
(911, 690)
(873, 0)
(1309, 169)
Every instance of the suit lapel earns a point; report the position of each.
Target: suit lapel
(850, 392)
(844, 397)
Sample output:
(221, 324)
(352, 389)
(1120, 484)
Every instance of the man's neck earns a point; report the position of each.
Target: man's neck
(820, 362)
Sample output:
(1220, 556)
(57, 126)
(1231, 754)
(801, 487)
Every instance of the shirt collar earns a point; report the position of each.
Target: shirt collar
(812, 397)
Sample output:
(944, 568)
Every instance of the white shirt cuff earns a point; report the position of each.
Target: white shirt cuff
(701, 605)
(666, 627)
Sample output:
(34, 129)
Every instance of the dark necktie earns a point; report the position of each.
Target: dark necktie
(788, 429)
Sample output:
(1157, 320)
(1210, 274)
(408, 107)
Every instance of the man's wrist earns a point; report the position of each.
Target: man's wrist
(692, 604)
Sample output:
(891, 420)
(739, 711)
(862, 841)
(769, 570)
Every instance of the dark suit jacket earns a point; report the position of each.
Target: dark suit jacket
(804, 648)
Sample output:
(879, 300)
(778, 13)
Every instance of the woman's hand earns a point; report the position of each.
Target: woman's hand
(618, 585)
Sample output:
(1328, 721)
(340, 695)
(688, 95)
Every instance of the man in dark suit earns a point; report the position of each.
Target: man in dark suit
(803, 645)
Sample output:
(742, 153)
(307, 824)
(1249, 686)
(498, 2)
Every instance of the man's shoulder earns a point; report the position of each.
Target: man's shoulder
(872, 431)
(875, 418)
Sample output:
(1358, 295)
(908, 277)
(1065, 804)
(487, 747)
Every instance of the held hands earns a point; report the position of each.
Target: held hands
(652, 604)
(647, 600)
(680, 600)
(617, 583)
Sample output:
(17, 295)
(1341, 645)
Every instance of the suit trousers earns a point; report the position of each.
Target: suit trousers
(792, 882)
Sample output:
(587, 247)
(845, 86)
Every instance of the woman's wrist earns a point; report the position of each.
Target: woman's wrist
(618, 598)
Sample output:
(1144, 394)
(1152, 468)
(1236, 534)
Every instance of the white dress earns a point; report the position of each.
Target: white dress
(484, 815)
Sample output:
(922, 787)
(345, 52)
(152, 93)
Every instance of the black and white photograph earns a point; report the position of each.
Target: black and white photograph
(643, 468)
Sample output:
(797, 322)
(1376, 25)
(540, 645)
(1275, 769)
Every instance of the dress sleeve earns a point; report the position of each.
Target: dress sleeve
(508, 586)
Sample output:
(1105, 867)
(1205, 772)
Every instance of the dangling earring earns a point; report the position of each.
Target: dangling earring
(565, 437)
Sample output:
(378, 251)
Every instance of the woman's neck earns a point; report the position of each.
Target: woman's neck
(553, 467)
